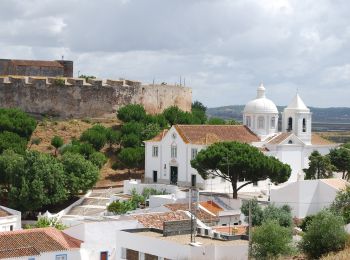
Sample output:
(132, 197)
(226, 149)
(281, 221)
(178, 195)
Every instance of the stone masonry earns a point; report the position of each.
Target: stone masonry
(76, 98)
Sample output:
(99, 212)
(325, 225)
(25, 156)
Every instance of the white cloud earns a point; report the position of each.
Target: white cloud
(223, 48)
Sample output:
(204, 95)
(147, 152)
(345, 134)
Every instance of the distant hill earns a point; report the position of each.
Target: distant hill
(323, 119)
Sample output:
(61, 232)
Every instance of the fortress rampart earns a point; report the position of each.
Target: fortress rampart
(76, 98)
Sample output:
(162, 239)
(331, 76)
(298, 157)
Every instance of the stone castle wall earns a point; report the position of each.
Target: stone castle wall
(76, 98)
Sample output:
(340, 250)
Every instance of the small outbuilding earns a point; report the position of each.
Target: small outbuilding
(308, 197)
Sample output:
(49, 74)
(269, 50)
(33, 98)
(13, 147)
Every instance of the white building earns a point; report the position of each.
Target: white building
(148, 244)
(10, 219)
(168, 155)
(308, 197)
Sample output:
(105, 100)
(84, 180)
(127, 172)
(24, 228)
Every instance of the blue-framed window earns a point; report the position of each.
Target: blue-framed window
(61, 257)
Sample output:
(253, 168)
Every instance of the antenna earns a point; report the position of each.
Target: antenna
(194, 198)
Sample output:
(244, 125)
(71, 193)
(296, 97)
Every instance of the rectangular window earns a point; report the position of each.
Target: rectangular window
(193, 180)
(104, 255)
(61, 257)
(173, 151)
(31, 258)
(194, 153)
(155, 151)
(155, 176)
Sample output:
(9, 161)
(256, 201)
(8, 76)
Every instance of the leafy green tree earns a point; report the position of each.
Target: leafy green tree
(81, 173)
(282, 215)
(341, 204)
(96, 136)
(13, 141)
(131, 112)
(216, 121)
(42, 183)
(87, 77)
(158, 119)
(131, 140)
(56, 142)
(11, 164)
(257, 212)
(235, 161)
(174, 116)
(98, 159)
(270, 241)
(150, 131)
(17, 121)
(340, 158)
(113, 137)
(324, 234)
(132, 157)
(132, 128)
(320, 167)
(198, 112)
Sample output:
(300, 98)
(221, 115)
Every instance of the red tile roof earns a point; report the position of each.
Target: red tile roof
(279, 138)
(211, 206)
(159, 136)
(4, 213)
(29, 242)
(209, 134)
(36, 63)
(237, 230)
(155, 220)
(203, 215)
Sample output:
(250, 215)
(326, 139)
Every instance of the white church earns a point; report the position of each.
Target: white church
(168, 155)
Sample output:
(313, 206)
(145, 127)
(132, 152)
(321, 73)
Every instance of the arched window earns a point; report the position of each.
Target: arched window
(273, 122)
(261, 122)
(290, 142)
(290, 124)
(248, 121)
(304, 125)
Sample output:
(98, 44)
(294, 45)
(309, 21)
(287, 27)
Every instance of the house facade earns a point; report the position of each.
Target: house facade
(10, 219)
(168, 155)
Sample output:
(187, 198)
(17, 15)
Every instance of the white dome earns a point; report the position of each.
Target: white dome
(260, 105)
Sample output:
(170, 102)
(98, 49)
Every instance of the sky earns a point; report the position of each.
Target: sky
(222, 48)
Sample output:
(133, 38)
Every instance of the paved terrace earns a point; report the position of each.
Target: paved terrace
(94, 205)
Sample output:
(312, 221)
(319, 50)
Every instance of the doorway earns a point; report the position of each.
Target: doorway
(173, 175)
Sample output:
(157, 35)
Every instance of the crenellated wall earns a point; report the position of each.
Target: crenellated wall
(76, 98)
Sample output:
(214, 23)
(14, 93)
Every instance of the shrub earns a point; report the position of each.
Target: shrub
(96, 136)
(281, 214)
(12, 141)
(16, 121)
(324, 234)
(98, 159)
(341, 204)
(56, 142)
(305, 222)
(270, 240)
(131, 112)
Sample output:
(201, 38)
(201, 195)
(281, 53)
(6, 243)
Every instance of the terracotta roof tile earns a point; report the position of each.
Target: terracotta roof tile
(279, 138)
(211, 206)
(27, 241)
(155, 220)
(209, 134)
(4, 213)
(159, 136)
(203, 215)
(317, 139)
(237, 230)
(37, 63)
(339, 184)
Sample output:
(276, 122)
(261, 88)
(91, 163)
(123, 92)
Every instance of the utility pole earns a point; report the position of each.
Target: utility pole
(250, 228)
